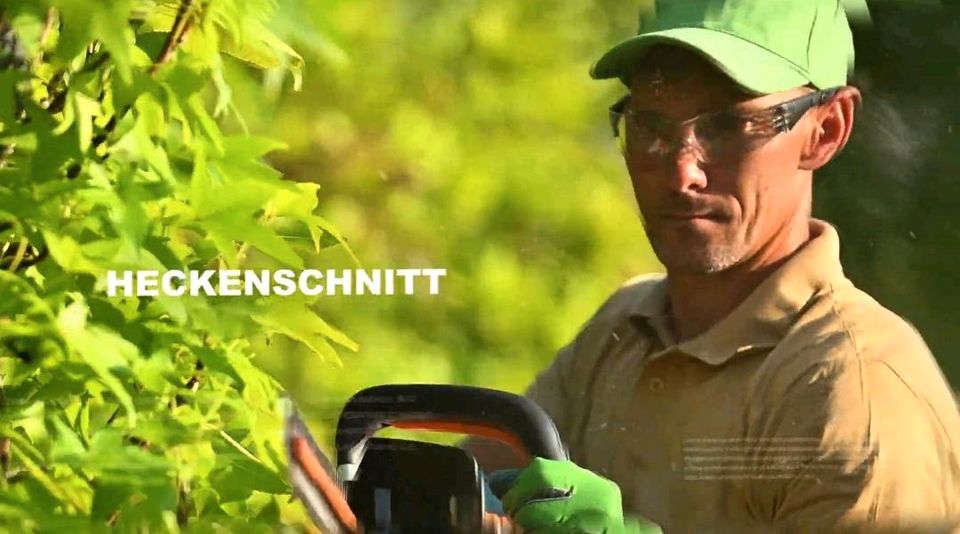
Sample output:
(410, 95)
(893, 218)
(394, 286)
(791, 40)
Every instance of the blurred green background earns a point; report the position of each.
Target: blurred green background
(467, 135)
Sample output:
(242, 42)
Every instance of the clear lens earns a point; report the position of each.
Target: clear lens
(647, 137)
(622, 134)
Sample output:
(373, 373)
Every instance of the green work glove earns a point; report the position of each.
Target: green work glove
(560, 497)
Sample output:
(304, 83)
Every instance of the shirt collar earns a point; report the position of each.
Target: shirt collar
(765, 316)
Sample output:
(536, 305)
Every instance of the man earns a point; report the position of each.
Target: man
(753, 387)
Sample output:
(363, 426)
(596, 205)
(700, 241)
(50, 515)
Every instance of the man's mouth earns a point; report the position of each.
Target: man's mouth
(691, 216)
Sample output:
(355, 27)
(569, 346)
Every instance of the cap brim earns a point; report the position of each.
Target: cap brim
(754, 68)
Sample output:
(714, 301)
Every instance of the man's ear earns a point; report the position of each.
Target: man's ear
(830, 128)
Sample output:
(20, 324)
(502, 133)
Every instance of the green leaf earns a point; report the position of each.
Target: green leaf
(101, 349)
(259, 46)
(166, 430)
(114, 461)
(108, 19)
(58, 150)
(300, 204)
(151, 115)
(219, 362)
(108, 498)
(297, 321)
(8, 83)
(238, 476)
(37, 472)
(85, 110)
(27, 21)
(67, 447)
(129, 216)
(250, 147)
(68, 253)
(73, 37)
(197, 114)
(22, 311)
(126, 93)
(214, 192)
(155, 373)
(239, 227)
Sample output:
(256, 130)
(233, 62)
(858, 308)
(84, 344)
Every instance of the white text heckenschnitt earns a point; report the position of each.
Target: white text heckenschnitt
(282, 282)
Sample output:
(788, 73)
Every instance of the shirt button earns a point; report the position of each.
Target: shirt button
(656, 384)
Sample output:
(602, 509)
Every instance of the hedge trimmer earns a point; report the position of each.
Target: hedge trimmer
(396, 486)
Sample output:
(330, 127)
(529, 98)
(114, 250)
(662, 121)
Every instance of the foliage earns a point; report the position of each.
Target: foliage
(151, 413)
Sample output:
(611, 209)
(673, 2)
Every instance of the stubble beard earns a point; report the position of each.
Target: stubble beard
(694, 253)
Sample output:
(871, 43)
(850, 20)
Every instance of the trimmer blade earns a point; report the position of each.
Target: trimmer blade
(314, 478)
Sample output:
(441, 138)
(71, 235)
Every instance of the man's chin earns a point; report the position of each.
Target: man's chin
(678, 260)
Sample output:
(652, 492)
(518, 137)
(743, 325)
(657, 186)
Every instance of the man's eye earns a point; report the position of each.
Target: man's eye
(649, 123)
(724, 124)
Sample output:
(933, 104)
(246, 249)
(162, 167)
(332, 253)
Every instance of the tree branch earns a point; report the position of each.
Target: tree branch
(181, 24)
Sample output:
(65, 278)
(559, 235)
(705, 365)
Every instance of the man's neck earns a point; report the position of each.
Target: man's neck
(699, 301)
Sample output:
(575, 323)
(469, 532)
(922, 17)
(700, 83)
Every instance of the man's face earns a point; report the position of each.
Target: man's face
(707, 216)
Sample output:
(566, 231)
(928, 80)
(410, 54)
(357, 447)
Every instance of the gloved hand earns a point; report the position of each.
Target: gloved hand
(560, 497)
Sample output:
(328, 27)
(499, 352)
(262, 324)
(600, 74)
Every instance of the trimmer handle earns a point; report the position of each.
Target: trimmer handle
(506, 417)
(503, 416)
(499, 524)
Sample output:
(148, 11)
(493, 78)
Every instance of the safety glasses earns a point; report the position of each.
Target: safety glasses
(646, 137)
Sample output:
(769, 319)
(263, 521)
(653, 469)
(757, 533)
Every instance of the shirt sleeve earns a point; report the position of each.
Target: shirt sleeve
(851, 446)
(550, 388)
(565, 388)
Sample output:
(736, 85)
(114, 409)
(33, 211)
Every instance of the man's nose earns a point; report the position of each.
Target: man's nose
(686, 163)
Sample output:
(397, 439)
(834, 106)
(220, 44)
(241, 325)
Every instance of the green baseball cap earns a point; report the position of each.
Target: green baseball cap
(765, 46)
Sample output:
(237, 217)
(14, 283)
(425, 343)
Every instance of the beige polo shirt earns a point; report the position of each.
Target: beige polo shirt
(810, 408)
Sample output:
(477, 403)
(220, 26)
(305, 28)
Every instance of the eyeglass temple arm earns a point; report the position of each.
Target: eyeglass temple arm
(793, 110)
(615, 112)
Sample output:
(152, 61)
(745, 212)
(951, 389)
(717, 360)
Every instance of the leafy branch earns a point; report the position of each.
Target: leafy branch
(176, 35)
(141, 413)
